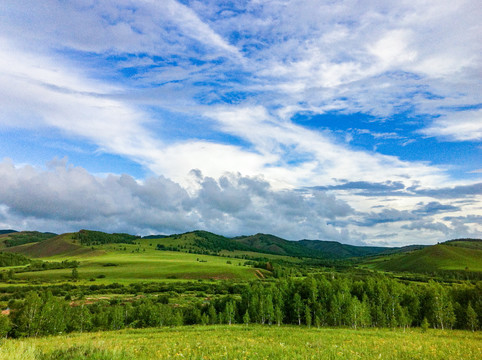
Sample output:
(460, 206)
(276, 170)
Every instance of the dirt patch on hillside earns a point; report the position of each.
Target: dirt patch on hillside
(50, 247)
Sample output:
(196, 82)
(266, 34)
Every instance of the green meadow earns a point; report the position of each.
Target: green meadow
(461, 256)
(161, 284)
(252, 342)
(143, 263)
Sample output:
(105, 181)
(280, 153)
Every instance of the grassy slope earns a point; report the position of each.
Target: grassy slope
(255, 342)
(270, 244)
(22, 237)
(147, 264)
(58, 245)
(337, 250)
(446, 256)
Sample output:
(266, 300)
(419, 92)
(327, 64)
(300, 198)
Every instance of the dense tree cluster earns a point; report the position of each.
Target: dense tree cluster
(27, 237)
(320, 301)
(371, 302)
(12, 259)
(89, 237)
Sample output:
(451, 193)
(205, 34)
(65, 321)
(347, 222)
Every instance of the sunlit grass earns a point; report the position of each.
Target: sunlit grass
(147, 265)
(253, 342)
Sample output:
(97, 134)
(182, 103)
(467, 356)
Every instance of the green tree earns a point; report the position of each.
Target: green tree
(28, 320)
(308, 317)
(213, 316)
(424, 325)
(229, 312)
(472, 321)
(246, 318)
(53, 319)
(278, 314)
(80, 318)
(205, 319)
(75, 273)
(116, 318)
(297, 307)
(5, 325)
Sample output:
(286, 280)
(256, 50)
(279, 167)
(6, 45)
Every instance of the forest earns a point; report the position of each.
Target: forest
(315, 301)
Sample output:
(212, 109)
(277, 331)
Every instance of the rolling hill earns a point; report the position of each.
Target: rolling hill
(48, 244)
(200, 241)
(64, 244)
(453, 255)
(10, 238)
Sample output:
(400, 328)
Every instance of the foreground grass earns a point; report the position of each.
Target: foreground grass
(253, 342)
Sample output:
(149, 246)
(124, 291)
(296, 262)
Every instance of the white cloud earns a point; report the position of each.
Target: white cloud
(67, 198)
(242, 73)
(457, 126)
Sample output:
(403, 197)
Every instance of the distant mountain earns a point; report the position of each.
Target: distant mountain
(271, 244)
(155, 236)
(2, 232)
(337, 250)
(38, 244)
(454, 255)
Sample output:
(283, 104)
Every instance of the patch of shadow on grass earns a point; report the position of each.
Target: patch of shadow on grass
(84, 353)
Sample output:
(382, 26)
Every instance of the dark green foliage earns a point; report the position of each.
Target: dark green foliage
(336, 250)
(38, 265)
(271, 244)
(472, 321)
(75, 273)
(337, 300)
(215, 243)
(26, 237)
(3, 232)
(155, 236)
(5, 325)
(425, 325)
(89, 237)
(12, 259)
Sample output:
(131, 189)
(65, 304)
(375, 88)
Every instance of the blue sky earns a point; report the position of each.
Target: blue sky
(353, 121)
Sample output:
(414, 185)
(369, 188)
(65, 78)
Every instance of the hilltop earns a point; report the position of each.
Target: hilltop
(206, 242)
(452, 255)
(36, 244)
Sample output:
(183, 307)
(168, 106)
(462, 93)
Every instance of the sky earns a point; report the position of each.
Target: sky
(353, 121)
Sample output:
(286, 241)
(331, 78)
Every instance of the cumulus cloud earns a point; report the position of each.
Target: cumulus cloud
(67, 198)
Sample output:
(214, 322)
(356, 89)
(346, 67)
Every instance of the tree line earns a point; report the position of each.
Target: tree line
(313, 301)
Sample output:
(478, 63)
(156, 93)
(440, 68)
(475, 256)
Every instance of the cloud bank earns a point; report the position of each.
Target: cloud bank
(67, 198)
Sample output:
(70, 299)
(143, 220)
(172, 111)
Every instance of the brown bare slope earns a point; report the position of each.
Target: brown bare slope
(59, 245)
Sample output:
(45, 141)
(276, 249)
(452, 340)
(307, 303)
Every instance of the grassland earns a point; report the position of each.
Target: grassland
(253, 342)
(141, 262)
(456, 256)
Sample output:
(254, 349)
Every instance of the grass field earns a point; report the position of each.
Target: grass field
(433, 258)
(147, 264)
(253, 342)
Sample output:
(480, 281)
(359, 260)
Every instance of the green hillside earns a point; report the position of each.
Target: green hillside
(336, 250)
(122, 258)
(200, 242)
(453, 256)
(64, 244)
(271, 244)
(14, 238)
